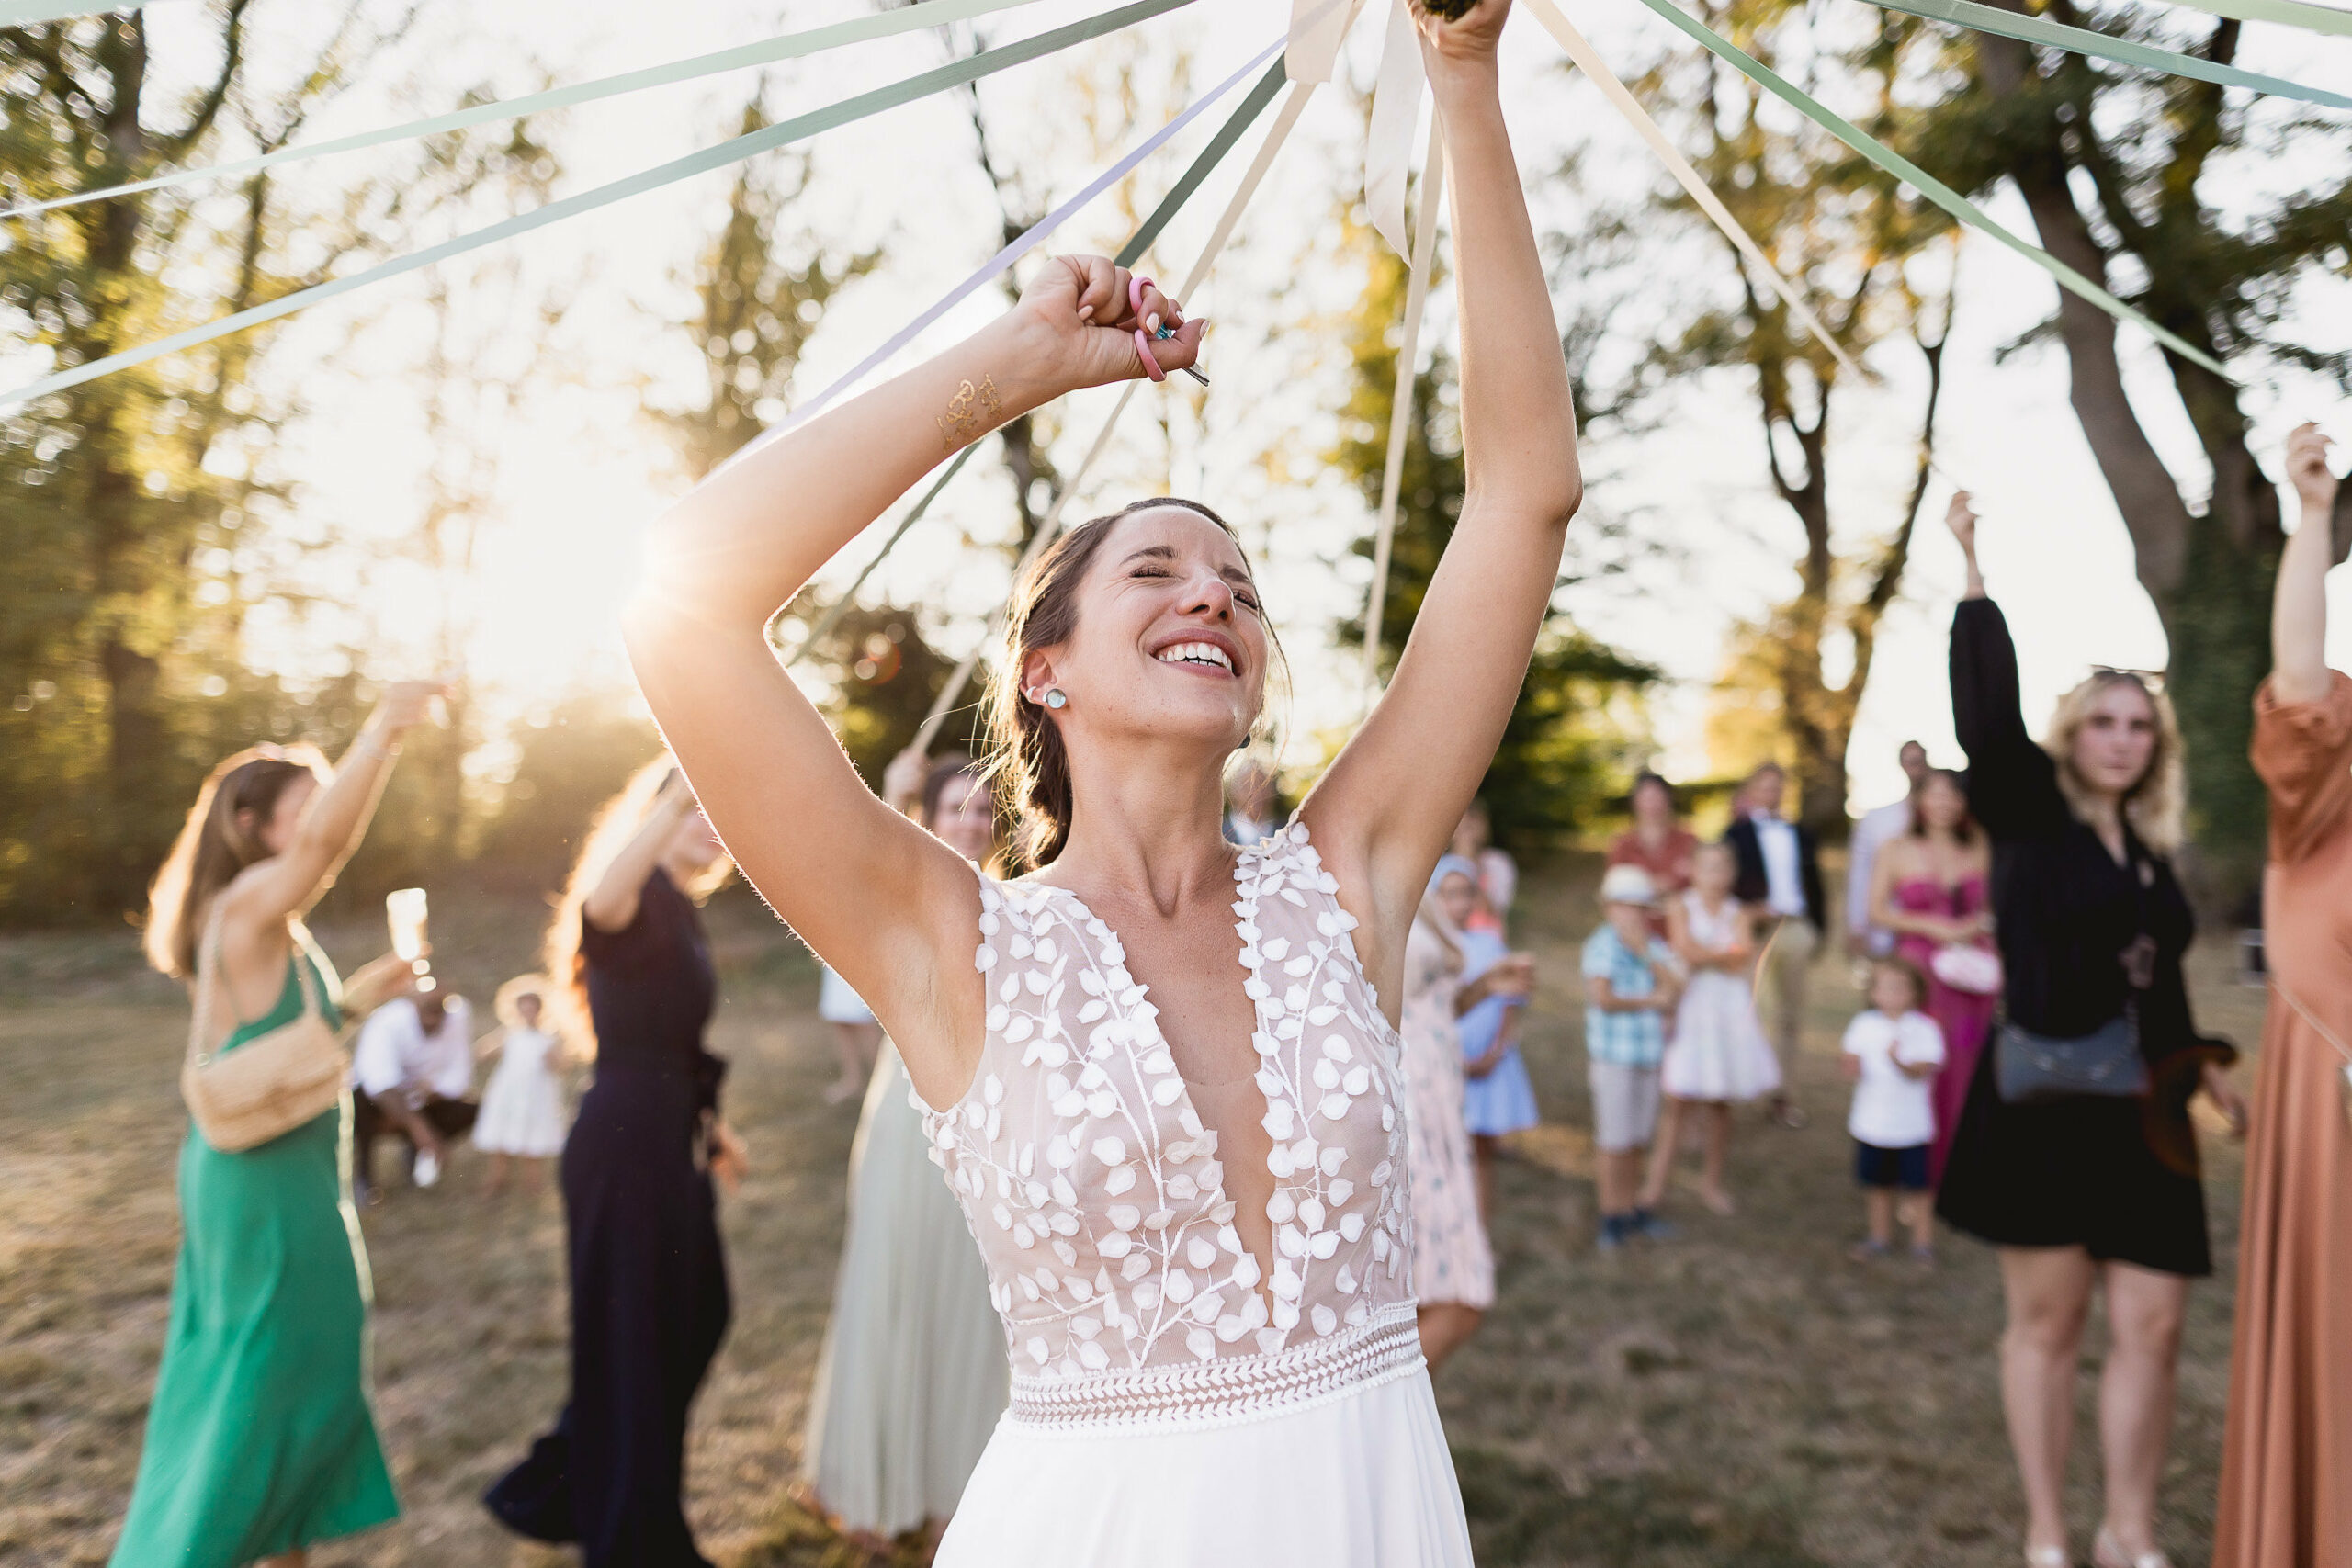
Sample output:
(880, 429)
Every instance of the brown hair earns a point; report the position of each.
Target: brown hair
(1913, 975)
(614, 824)
(1964, 830)
(215, 842)
(1025, 762)
(2156, 804)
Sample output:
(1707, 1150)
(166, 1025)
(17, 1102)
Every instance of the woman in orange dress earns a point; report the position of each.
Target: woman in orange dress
(2287, 1455)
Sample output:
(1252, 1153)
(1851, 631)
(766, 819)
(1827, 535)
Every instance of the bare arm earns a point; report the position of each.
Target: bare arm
(890, 907)
(2298, 610)
(1388, 802)
(1961, 518)
(611, 904)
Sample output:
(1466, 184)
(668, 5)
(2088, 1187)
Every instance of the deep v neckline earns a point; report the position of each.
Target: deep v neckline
(1189, 1100)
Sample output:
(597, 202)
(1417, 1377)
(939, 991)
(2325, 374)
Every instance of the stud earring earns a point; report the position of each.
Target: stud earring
(1056, 697)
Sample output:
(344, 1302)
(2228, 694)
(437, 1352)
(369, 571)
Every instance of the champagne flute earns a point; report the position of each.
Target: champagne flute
(404, 912)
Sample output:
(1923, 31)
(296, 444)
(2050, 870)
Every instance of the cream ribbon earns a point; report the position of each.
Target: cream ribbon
(1400, 408)
(1395, 105)
(1317, 27)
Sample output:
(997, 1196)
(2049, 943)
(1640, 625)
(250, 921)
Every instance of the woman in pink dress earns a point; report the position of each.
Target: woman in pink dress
(1932, 887)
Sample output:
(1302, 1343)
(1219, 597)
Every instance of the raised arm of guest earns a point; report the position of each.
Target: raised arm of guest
(2012, 783)
(2302, 737)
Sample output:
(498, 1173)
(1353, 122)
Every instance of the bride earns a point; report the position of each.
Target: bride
(1177, 1135)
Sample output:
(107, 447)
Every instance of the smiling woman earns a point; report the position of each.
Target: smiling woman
(1178, 1136)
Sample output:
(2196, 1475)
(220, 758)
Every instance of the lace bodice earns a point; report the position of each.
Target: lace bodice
(1715, 931)
(1096, 1193)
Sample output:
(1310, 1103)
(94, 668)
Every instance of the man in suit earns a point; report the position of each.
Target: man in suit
(1779, 875)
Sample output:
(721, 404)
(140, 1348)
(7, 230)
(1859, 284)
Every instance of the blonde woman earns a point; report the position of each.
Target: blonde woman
(2084, 1191)
(1158, 1071)
(648, 1278)
(259, 1438)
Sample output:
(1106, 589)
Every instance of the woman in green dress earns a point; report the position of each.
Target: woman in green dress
(259, 1438)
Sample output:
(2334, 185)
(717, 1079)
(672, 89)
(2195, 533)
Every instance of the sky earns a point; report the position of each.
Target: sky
(576, 468)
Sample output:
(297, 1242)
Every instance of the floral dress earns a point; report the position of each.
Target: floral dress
(1452, 1259)
(1177, 1397)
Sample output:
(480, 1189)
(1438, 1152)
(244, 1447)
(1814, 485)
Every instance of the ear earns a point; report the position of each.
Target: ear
(1036, 674)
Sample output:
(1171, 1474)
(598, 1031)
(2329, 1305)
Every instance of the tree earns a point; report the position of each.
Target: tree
(2139, 183)
(1851, 243)
(1563, 748)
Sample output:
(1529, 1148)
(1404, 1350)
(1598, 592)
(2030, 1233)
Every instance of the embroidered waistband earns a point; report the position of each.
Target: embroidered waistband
(1218, 1393)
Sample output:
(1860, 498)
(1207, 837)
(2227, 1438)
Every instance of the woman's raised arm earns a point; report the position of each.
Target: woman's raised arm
(879, 898)
(1388, 802)
(2299, 609)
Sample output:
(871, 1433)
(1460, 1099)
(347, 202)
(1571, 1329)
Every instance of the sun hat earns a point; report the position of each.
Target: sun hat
(1628, 884)
(1452, 866)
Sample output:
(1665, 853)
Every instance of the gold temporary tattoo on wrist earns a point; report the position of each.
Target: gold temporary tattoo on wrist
(971, 414)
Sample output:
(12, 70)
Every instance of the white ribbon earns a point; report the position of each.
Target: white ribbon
(1588, 60)
(1317, 27)
(1395, 105)
(1400, 408)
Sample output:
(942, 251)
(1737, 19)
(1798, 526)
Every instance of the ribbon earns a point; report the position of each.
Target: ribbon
(789, 46)
(996, 265)
(1588, 60)
(1400, 407)
(1389, 144)
(1934, 189)
(30, 13)
(2318, 18)
(1317, 27)
(2082, 40)
(950, 693)
(1129, 254)
(785, 133)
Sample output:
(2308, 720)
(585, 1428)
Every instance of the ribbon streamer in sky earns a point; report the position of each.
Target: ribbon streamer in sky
(1588, 60)
(2123, 51)
(1132, 252)
(1389, 144)
(790, 46)
(1934, 189)
(782, 134)
(1317, 27)
(30, 13)
(1400, 406)
(2318, 18)
(1050, 528)
(1000, 263)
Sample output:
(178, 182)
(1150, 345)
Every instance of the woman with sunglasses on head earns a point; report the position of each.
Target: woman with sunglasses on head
(2287, 1454)
(1177, 1135)
(2075, 1155)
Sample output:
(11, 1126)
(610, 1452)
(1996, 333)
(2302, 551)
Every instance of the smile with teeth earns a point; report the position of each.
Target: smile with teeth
(1197, 653)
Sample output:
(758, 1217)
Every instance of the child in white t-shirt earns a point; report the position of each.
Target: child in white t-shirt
(1892, 1054)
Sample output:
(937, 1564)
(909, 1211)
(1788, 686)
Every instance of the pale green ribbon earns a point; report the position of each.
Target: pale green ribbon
(2082, 40)
(1131, 253)
(789, 46)
(31, 13)
(1935, 190)
(783, 134)
(2318, 18)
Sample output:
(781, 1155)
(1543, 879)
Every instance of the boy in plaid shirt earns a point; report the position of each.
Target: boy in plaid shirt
(1631, 983)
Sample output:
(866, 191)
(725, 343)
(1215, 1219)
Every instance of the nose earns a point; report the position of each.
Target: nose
(1210, 596)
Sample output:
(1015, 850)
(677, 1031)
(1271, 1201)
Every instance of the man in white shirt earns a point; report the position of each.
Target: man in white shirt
(1779, 875)
(1250, 814)
(1877, 828)
(412, 1072)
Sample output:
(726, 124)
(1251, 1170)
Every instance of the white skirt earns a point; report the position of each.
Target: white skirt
(836, 1003)
(1363, 1480)
(522, 1110)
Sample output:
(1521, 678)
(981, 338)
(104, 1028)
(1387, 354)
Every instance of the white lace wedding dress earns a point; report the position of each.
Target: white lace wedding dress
(1178, 1399)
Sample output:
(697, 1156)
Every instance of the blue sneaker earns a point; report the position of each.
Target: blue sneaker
(1614, 1231)
(1649, 1226)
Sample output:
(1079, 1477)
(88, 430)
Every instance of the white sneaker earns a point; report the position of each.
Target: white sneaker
(428, 1167)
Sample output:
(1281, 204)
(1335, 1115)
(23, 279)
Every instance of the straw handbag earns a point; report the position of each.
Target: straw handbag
(271, 1084)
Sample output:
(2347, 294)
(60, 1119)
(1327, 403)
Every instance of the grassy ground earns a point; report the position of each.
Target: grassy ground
(1741, 1396)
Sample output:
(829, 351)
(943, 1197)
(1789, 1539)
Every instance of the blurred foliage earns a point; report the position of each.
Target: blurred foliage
(2147, 183)
(880, 678)
(1567, 748)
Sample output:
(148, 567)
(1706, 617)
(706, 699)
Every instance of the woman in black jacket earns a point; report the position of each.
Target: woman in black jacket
(2086, 1189)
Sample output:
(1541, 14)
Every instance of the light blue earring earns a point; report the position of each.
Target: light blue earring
(1056, 697)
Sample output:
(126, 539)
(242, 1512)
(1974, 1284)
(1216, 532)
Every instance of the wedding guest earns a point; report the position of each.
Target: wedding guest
(1249, 814)
(1879, 827)
(1497, 872)
(1658, 843)
(1632, 984)
(260, 1443)
(521, 1109)
(1780, 875)
(1493, 986)
(1932, 891)
(1892, 1050)
(412, 1074)
(2083, 1189)
(2287, 1450)
(858, 1038)
(650, 1300)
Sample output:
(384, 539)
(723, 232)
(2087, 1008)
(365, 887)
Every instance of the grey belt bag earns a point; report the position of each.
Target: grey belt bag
(2030, 1067)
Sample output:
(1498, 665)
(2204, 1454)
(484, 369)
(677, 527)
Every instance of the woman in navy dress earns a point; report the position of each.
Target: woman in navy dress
(648, 1276)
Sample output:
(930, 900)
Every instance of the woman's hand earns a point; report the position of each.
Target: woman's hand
(1961, 518)
(729, 1159)
(1077, 317)
(2307, 470)
(377, 983)
(1455, 35)
(1484, 1065)
(2224, 1095)
(404, 705)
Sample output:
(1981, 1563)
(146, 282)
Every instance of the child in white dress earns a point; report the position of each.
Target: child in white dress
(1718, 1055)
(522, 1110)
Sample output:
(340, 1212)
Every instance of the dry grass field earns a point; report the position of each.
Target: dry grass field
(1741, 1396)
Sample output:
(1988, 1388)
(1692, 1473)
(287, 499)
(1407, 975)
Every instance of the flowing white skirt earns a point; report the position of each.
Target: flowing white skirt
(522, 1110)
(1363, 1481)
(912, 1376)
